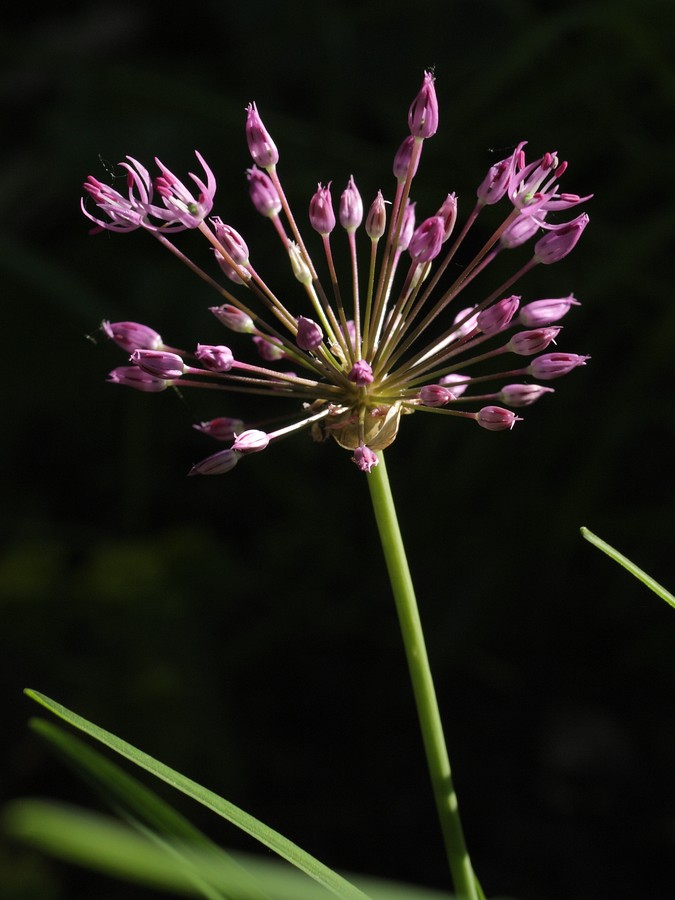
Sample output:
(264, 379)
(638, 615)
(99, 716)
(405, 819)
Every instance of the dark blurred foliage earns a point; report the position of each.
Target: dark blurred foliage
(240, 628)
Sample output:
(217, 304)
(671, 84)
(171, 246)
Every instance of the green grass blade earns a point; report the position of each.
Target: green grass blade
(108, 846)
(261, 832)
(136, 803)
(658, 589)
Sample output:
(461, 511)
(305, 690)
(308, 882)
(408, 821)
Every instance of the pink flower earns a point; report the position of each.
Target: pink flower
(356, 345)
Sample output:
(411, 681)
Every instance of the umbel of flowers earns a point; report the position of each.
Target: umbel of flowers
(353, 358)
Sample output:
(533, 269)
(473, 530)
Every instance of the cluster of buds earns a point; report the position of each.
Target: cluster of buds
(355, 360)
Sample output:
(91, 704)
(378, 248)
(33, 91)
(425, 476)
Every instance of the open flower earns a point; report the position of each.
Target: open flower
(354, 358)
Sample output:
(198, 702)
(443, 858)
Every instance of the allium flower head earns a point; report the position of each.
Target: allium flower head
(349, 357)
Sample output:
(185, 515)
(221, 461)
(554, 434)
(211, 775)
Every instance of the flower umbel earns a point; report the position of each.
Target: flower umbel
(356, 358)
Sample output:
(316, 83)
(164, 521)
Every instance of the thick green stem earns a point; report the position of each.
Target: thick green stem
(422, 682)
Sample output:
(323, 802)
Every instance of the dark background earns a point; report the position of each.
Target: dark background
(240, 628)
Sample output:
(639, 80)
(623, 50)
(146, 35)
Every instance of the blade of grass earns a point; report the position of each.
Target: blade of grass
(136, 803)
(258, 830)
(642, 576)
(106, 845)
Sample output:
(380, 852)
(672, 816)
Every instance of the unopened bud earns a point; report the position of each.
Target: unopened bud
(494, 418)
(159, 363)
(233, 318)
(423, 113)
(260, 144)
(309, 335)
(376, 220)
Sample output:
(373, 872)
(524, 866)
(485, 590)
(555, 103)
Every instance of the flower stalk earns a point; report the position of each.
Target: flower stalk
(428, 713)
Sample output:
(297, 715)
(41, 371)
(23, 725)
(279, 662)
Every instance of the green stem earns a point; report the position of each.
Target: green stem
(422, 682)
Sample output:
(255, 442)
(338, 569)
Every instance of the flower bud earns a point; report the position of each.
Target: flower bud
(423, 113)
(365, 458)
(458, 383)
(525, 343)
(309, 335)
(351, 207)
(233, 243)
(260, 144)
(132, 336)
(465, 322)
(560, 241)
(543, 312)
(522, 394)
(233, 318)
(554, 365)
(520, 231)
(217, 464)
(427, 240)
(298, 264)
(403, 157)
(263, 193)
(321, 215)
(269, 348)
(361, 373)
(496, 182)
(132, 376)
(448, 212)
(215, 358)
(407, 227)
(376, 220)
(251, 441)
(159, 363)
(221, 429)
(435, 395)
(494, 418)
(497, 317)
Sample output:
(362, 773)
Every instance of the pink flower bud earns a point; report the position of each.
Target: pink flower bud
(497, 317)
(217, 464)
(554, 365)
(403, 157)
(365, 458)
(543, 312)
(467, 323)
(522, 394)
(221, 429)
(260, 144)
(159, 363)
(264, 195)
(560, 241)
(407, 227)
(520, 231)
(321, 215)
(494, 185)
(132, 336)
(458, 383)
(215, 358)
(361, 373)
(427, 240)
(269, 348)
(132, 376)
(351, 207)
(423, 113)
(230, 271)
(233, 318)
(435, 395)
(309, 335)
(251, 441)
(233, 243)
(376, 220)
(525, 343)
(448, 212)
(494, 418)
